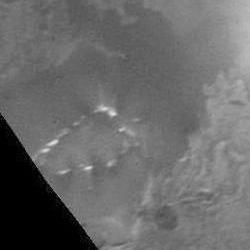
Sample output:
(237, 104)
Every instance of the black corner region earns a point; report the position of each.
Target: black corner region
(35, 215)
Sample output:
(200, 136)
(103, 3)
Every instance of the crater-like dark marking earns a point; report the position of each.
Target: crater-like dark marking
(166, 218)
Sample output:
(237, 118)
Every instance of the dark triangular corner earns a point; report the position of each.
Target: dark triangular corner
(37, 215)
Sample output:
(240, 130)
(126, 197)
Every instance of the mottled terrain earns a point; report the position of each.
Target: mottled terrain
(168, 169)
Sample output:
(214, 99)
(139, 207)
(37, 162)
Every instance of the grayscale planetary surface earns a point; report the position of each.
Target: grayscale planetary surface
(124, 106)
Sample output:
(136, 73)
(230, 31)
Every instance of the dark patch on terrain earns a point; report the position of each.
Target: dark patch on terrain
(166, 218)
